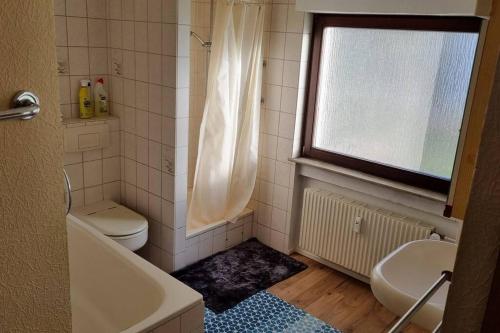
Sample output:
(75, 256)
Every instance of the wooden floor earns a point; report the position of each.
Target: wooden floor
(341, 301)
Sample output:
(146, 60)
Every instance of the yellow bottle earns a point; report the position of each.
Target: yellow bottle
(86, 110)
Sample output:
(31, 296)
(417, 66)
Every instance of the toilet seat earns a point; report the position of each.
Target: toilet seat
(117, 222)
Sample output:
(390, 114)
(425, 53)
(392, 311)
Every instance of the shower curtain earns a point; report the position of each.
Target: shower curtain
(226, 167)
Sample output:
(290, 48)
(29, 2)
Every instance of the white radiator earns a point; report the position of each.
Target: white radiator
(328, 231)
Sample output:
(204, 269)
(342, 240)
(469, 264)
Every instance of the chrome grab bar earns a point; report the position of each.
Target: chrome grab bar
(68, 192)
(25, 105)
(405, 319)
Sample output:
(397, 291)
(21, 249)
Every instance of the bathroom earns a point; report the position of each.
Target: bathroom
(343, 220)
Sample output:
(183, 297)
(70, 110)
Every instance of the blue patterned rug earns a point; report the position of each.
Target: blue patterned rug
(264, 312)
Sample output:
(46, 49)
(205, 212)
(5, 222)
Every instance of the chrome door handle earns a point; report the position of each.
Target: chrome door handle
(68, 192)
(25, 105)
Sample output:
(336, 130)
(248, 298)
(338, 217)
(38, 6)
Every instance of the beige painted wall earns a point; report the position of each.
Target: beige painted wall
(480, 102)
(34, 279)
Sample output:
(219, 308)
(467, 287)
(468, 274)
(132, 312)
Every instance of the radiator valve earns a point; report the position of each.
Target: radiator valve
(356, 227)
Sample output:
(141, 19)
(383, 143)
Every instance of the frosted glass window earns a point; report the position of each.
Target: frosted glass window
(393, 97)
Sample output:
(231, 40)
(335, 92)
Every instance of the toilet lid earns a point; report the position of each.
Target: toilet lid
(114, 220)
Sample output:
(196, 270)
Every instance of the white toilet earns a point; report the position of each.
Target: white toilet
(119, 223)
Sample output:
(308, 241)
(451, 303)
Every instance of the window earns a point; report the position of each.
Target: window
(387, 94)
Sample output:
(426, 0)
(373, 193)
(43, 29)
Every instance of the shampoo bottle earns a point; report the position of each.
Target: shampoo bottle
(86, 110)
(100, 99)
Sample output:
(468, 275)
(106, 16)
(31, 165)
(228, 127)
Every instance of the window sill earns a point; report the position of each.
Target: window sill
(437, 197)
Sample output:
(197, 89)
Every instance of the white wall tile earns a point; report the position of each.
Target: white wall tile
(155, 207)
(280, 197)
(155, 155)
(141, 67)
(115, 9)
(291, 75)
(115, 34)
(155, 72)
(96, 9)
(131, 171)
(289, 100)
(293, 47)
(93, 194)
(155, 127)
(268, 169)
(141, 36)
(155, 181)
(97, 32)
(279, 17)
(284, 150)
(277, 45)
(295, 20)
(154, 10)
(141, 10)
(269, 145)
(142, 124)
(141, 95)
(77, 31)
(98, 59)
(78, 61)
(143, 176)
(154, 37)
(278, 220)
(287, 125)
(219, 243)
(92, 173)
(111, 169)
(76, 8)
(111, 191)
(128, 35)
(142, 150)
(277, 240)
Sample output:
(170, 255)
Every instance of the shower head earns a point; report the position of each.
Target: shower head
(206, 44)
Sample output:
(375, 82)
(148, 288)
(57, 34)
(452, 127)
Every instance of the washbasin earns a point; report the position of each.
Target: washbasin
(402, 277)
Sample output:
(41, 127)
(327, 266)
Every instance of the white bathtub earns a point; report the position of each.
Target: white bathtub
(114, 290)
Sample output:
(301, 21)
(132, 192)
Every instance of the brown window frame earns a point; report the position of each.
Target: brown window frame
(424, 23)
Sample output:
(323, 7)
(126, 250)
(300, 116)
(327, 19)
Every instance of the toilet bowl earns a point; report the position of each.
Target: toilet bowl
(119, 223)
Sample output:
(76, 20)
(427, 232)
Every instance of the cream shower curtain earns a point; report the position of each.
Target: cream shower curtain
(226, 167)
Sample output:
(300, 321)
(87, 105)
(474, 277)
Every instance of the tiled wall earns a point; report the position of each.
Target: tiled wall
(282, 54)
(200, 23)
(95, 175)
(147, 47)
(148, 57)
(149, 66)
(82, 53)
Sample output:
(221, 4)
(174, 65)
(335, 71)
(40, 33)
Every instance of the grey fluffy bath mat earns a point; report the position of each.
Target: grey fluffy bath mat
(229, 277)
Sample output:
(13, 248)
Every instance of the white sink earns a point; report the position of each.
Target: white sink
(401, 278)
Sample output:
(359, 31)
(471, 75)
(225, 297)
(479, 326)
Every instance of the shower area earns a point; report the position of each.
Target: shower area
(203, 16)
